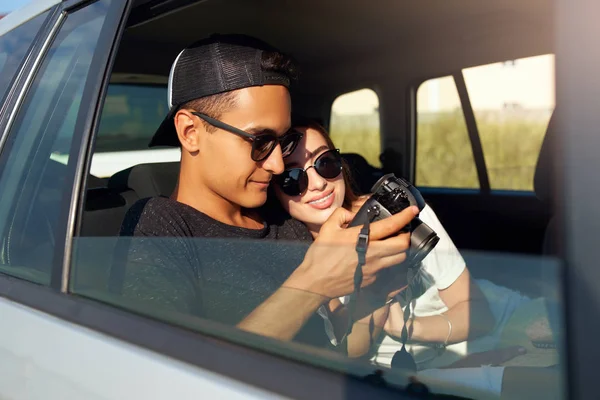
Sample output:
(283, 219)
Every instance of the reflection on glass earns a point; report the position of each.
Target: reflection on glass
(230, 278)
(13, 49)
(32, 174)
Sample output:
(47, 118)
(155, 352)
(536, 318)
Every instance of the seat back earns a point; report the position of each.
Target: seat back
(147, 180)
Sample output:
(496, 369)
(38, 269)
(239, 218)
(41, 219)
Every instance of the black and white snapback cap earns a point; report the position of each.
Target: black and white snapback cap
(218, 64)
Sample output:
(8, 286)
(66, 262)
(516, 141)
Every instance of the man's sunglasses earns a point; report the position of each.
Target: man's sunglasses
(262, 145)
(294, 181)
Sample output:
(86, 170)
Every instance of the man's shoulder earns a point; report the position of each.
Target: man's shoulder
(286, 227)
(154, 216)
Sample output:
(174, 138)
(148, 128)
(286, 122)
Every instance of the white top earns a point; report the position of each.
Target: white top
(440, 269)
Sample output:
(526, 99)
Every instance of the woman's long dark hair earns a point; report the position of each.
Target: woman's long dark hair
(350, 196)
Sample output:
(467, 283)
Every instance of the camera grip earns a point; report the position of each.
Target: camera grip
(371, 211)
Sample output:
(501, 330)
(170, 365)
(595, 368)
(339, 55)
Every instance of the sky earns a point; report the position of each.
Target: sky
(7, 6)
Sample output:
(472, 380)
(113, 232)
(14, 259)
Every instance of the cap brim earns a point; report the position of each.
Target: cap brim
(166, 135)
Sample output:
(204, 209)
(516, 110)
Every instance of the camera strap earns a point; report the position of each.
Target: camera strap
(402, 359)
(362, 243)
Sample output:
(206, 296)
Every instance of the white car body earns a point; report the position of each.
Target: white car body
(44, 357)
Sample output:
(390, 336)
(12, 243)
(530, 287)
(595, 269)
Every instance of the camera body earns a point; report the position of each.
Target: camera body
(390, 196)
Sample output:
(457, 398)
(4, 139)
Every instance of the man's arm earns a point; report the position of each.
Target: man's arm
(328, 272)
(283, 314)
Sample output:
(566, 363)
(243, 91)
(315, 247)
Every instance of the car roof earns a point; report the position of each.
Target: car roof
(416, 40)
(24, 14)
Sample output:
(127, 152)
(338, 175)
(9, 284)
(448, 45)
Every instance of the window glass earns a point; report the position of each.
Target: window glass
(354, 126)
(131, 115)
(512, 102)
(14, 46)
(444, 156)
(163, 266)
(33, 183)
(135, 106)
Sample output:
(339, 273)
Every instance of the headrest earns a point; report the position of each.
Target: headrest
(147, 180)
(545, 175)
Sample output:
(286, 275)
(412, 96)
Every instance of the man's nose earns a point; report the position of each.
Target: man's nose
(274, 163)
(315, 181)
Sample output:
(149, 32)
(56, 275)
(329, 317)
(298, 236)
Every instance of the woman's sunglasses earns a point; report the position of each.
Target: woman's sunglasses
(294, 181)
(262, 145)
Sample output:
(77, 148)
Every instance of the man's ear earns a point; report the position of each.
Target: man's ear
(188, 130)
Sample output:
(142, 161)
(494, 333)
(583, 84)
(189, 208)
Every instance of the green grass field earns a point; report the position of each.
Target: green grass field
(511, 144)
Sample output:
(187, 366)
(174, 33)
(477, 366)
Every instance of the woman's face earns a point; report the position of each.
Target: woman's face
(323, 196)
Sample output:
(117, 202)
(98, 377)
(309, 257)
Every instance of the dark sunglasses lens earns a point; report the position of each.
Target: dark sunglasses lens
(289, 143)
(262, 147)
(293, 181)
(329, 164)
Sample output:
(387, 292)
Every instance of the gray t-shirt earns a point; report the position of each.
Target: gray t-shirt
(180, 258)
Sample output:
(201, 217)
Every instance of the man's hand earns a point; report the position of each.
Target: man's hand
(329, 265)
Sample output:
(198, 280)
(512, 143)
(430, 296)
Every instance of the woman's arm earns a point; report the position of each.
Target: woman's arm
(371, 312)
(468, 316)
(365, 331)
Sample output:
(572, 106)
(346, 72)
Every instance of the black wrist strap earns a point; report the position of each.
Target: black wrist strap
(362, 243)
(402, 359)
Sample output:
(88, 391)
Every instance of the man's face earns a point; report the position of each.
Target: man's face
(224, 164)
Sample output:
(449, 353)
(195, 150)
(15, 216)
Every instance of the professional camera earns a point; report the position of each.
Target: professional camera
(390, 196)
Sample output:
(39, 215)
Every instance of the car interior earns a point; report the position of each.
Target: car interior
(343, 46)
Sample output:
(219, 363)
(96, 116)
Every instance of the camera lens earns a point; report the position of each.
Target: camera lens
(422, 240)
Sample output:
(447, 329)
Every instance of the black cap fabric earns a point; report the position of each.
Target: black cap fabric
(218, 64)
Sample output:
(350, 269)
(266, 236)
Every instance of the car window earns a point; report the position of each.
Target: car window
(444, 157)
(134, 107)
(354, 125)
(512, 102)
(34, 184)
(130, 116)
(210, 285)
(14, 46)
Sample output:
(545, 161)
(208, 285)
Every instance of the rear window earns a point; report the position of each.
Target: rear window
(131, 115)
